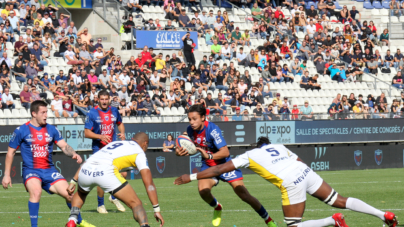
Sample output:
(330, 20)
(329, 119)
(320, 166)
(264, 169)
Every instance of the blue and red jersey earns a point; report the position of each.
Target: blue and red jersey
(103, 123)
(36, 144)
(210, 139)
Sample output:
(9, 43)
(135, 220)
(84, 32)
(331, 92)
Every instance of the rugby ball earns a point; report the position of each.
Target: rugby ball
(186, 142)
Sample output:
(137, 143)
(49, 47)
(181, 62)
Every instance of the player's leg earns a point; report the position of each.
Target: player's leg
(114, 200)
(34, 188)
(126, 194)
(328, 195)
(77, 203)
(243, 194)
(100, 199)
(205, 187)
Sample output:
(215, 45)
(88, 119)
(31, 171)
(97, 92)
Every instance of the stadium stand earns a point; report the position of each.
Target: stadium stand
(281, 59)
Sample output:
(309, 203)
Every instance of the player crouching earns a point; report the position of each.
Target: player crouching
(102, 169)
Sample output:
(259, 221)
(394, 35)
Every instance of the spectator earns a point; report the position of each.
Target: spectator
(57, 107)
(169, 144)
(25, 97)
(237, 116)
(68, 106)
(188, 49)
(398, 81)
(7, 99)
(245, 116)
(258, 112)
(306, 111)
(183, 19)
(216, 50)
(295, 112)
(357, 109)
(371, 66)
(313, 84)
(150, 107)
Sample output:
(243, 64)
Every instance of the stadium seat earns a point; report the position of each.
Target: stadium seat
(309, 4)
(337, 6)
(377, 5)
(368, 5)
(386, 4)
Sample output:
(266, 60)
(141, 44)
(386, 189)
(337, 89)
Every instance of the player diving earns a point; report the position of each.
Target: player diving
(281, 167)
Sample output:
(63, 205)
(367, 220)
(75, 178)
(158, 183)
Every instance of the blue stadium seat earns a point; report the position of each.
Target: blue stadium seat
(377, 5)
(368, 5)
(308, 5)
(360, 0)
(337, 6)
(386, 4)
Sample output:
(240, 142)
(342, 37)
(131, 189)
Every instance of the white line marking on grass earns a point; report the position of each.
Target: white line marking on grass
(184, 211)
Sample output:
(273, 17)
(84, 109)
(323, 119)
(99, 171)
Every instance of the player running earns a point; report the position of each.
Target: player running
(102, 169)
(286, 170)
(35, 139)
(208, 136)
(100, 127)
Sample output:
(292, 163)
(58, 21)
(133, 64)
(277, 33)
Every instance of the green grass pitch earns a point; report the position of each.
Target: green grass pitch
(182, 206)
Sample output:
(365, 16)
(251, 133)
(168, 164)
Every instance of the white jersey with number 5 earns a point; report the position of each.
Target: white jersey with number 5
(278, 165)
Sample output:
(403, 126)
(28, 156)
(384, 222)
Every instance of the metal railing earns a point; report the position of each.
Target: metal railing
(57, 3)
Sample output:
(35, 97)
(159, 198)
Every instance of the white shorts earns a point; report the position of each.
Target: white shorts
(107, 177)
(302, 180)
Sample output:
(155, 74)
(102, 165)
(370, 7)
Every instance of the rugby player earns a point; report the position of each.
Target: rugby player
(294, 178)
(102, 169)
(208, 139)
(100, 126)
(35, 140)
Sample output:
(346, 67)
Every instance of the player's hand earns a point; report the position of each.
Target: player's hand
(203, 153)
(72, 187)
(184, 179)
(159, 218)
(122, 136)
(181, 151)
(78, 158)
(106, 139)
(6, 181)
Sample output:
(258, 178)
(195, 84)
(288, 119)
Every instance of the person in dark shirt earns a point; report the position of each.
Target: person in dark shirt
(312, 12)
(313, 83)
(388, 60)
(188, 49)
(128, 25)
(357, 58)
(329, 42)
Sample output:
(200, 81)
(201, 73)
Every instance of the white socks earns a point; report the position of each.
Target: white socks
(360, 206)
(318, 223)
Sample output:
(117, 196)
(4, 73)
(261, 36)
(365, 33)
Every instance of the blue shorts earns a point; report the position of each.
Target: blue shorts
(48, 177)
(229, 177)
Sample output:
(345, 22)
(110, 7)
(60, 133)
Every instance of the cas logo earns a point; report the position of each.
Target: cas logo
(106, 118)
(198, 140)
(56, 175)
(358, 157)
(160, 164)
(378, 156)
(40, 137)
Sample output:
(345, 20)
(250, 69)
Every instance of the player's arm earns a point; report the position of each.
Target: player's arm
(149, 185)
(68, 150)
(7, 169)
(91, 135)
(208, 173)
(121, 129)
(73, 183)
(223, 152)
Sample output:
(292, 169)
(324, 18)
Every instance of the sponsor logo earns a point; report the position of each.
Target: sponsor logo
(168, 39)
(195, 163)
(31, 175)
(198, 140)
(106, 118)
(378, 156)
(277, 132)
(40, 137)
(320, 165)
(239, 133)
(74, 136)
(160, 164)
(56, 175)
(358, 157)
(216, 136)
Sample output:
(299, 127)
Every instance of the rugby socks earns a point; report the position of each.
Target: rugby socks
(79, 219)
(322, 222)
(100, 201)
(360, 206)
(264, 214)
(215, 204)
(113, 197)
(33, 213)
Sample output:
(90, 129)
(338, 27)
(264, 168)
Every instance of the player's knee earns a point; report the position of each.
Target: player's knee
(335, 200)
(340, 202)
(35, 193)
(293, 222)
(204, 192)
(132, 202)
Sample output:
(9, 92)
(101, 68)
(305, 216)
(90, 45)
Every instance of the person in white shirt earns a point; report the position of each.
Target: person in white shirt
(124, 78)
(57, 107)
(203, 17)
(6, 60)
(77, 78)
(155, 79)
(7, 99)
(46, 18)
(14, 22)
(123, 94)
(311, 29)
(226, 52)
(218, 25)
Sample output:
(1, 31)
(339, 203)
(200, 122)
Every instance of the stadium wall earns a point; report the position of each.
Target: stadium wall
(320, 158)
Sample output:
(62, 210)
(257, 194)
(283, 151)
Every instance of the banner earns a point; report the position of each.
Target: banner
(163, 39)
(74, 136)
(71, 3)
(5, 136)
(169, 165)
(235, 133)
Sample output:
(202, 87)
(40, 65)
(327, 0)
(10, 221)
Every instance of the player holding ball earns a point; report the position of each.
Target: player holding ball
(209, 141)
(100, 127)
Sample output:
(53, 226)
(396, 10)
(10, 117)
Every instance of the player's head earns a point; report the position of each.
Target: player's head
(262, 141)
(142, 139)
(39, 111)
(197, 116)
(103, 97)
